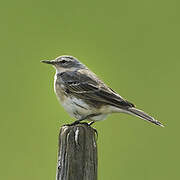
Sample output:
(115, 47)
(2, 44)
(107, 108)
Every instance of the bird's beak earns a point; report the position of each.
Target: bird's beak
(48, 61)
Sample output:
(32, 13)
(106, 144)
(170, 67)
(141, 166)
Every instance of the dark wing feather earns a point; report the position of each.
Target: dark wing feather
(88, 87)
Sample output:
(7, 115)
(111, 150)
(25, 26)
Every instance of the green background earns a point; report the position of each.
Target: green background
(133, 45)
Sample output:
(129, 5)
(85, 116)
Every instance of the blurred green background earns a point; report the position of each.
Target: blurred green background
(132, 45)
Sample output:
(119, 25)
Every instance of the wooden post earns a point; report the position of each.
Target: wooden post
(77, 154)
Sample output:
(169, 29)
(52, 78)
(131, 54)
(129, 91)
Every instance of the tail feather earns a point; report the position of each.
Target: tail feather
(144, 116)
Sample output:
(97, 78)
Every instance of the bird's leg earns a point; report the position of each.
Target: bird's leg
(88, 124)
(84, 118)
(78, 121)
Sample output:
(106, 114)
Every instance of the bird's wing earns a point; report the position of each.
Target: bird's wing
(86, 86)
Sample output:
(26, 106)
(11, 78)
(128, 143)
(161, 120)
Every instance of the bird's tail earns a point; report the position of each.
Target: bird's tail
(143, 115)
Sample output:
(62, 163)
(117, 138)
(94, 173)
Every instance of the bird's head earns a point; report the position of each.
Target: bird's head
(65, 62)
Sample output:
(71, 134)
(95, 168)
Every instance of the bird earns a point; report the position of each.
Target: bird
(85, 97)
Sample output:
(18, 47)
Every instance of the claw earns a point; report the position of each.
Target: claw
(74, 123)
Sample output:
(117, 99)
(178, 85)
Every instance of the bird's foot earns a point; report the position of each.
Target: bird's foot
(74, 123)
(85, 123)
(79, 121)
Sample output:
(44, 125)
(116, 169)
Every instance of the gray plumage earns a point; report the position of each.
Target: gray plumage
(85, 96)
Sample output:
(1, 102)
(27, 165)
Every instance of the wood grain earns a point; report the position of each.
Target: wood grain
(77, 153)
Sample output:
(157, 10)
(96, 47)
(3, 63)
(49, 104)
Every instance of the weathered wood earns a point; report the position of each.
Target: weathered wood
(77, 154)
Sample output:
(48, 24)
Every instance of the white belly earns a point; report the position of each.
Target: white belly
(79, 109)
(76, 107)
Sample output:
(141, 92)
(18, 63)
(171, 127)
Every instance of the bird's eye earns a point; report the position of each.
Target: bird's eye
(63, 61)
